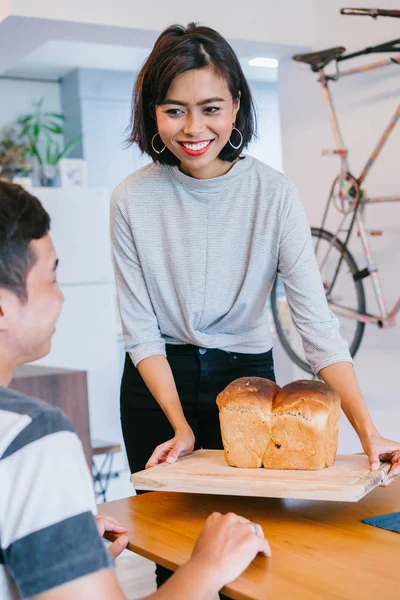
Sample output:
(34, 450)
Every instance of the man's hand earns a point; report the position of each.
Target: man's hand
(109, 524)
(226, 546)
(379, 449)
(180, 445)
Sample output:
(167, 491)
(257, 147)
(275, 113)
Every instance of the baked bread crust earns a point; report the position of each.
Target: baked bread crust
(294, 427)
(245, 416)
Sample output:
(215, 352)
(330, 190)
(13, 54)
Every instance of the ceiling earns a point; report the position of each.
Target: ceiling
(55, 58)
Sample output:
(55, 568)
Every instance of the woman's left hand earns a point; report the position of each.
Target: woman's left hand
(181, 444)
(379, 449)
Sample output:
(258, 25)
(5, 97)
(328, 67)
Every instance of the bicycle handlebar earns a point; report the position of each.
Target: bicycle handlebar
(370, 12)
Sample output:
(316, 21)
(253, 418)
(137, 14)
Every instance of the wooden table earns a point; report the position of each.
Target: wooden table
(320, 550)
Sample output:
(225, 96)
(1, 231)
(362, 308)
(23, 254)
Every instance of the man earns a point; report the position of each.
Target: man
(50, 546)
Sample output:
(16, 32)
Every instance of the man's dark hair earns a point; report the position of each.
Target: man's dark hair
(177, 50)
(22, 219)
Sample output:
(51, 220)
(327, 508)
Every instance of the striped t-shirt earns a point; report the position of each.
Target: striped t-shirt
(48, 533)
(196, 259)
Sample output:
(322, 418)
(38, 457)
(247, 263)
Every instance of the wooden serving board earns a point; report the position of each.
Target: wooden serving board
(206, 472)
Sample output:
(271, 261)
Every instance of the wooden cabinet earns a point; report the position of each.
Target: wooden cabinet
(64, 388)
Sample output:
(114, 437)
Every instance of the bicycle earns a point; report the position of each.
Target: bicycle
(341, 277)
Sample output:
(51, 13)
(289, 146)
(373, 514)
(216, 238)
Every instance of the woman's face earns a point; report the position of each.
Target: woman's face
(195, 122)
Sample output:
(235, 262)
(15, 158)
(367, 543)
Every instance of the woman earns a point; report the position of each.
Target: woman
(198, 238)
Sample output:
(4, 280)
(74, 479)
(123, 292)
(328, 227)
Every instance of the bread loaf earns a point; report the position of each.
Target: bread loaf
(294, 427)
(245, 407)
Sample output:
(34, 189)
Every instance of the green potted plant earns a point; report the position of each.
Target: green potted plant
(43, 133)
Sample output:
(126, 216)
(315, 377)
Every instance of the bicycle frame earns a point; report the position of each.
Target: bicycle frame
(385, 318)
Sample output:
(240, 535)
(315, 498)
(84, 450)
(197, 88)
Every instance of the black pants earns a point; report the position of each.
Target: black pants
(200, 375)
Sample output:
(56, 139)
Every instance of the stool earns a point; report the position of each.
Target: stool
(102, 475)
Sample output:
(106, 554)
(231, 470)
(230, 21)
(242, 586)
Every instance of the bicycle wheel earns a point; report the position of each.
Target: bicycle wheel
(346, 292)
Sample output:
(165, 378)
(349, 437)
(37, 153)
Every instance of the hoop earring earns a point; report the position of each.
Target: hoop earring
(241, 139)
(152, 144)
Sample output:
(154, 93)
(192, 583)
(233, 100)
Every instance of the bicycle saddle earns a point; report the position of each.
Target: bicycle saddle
(319, 60)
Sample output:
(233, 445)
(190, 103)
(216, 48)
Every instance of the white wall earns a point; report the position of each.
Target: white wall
(267, 147)
(365, 103)
(5, 9)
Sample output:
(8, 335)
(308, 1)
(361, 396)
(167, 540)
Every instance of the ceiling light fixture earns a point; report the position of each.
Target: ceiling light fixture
(268, 63)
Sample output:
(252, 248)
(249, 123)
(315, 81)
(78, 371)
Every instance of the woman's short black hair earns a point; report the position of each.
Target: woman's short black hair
(22, 219)
(177, 50)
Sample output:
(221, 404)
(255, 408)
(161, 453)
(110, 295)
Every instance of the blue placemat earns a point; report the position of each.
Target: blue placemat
(390, 522)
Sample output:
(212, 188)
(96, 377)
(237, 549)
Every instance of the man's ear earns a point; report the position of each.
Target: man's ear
(3, 311)
(8, 302)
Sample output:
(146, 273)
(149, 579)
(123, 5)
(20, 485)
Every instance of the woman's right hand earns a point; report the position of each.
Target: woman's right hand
(180, 445)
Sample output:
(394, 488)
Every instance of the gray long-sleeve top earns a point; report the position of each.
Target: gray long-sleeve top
(195, 261)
